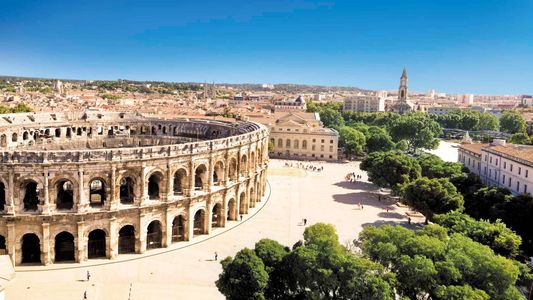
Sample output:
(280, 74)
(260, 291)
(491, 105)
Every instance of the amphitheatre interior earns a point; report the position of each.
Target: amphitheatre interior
(78, 186)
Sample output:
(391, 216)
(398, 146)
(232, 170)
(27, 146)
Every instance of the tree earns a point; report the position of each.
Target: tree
(243, 277)
(434, 167)
(390, 169)
(497, 236)
(431, 264)
(432, 196)
(517, 213)
(417, 129)
(379, 141)
(488, 121)
(351, 140)
(481, 204)
(520, 138)
(331, 118)
(512, 122)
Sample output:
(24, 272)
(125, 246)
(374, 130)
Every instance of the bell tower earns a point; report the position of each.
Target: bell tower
(402, 91)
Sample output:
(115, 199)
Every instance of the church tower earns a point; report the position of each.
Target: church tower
(402, 91)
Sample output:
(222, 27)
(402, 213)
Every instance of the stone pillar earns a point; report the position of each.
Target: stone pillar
(11, 244)
(190, 229)
(113, 238)
(45, 208)
(167, 238)
(142, 234)
(82, 243)
(144, 188)
(210, 171)
(46, 255)
(226, 169)
(191, 179)
(114, 200)
(10, 205)
(170, 179)
(82, 201)
(208, 216)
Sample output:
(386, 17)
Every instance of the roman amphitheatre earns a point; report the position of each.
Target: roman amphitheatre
(81, 186)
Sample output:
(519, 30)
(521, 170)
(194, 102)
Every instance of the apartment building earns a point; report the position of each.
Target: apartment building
(364, 104)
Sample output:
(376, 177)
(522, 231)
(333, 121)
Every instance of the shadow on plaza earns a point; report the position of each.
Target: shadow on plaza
(358, 185)
(405, 224)
(364, 198)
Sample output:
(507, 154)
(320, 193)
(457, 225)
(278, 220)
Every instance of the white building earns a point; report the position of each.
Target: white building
(364, 104)
(441, 110)
(499, 164)
(297, 104)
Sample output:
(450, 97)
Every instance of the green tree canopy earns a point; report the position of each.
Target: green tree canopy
(417, 129)
(243, 277)
(351, 140)
(390, 169)
(432, 196)
(512, 122)
(495, 235)
(434, 167)
(520, 138)
(431, 264)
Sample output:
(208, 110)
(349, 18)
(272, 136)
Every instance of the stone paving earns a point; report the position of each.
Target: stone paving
(188, 270)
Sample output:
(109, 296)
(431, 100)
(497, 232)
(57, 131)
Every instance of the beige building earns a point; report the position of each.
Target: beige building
(302, 136)
(364, 104)
(297, 104)
(499, 164)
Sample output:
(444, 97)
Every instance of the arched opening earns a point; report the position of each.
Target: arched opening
(304, 144)
(243, 166)
(216, 216)
(296, 144)
(154, 235)
(69, 133)
(180, 181)
(3, 246)
(96, 245)
(31, 248)
(14, 137)
(154, 130)
(200, 177)
(47, 132)
(126, 190)
(3, 140)
(288, 143)
(242, 203)
(280, 143)
(2, 196)
(402, 94)
(96, 192)
(233, 169)
(178, 229)
(252, 161)
(199, 222)
(65, 195)
(64, 247)
(25, 135)
(126, 240)
(31, 195)
(58, 132)
(78, 131)
(218, 173)
(154, 182)
(232, 210)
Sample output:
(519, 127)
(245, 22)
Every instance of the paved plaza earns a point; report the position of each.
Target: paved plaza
(187, 270)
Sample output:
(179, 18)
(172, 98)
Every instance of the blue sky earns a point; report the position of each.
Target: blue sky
(478, 46)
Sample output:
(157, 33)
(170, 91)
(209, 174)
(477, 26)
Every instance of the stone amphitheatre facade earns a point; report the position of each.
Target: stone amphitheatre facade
(77, 186)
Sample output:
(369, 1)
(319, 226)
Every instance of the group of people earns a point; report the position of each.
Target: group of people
(307, 167)
(353, 177)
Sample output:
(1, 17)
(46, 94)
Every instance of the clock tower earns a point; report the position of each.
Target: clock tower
(402, 91)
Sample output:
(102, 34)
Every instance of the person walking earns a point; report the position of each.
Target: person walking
(85, 295)
(88, 276)
(216, 256)
(305, 222)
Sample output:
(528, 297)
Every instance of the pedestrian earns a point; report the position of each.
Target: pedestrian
(409, 220)
(216, 256)
(379, 198)
(241, 217)
(305, 222)
(362, 207)
(88, 276)
(85, 295)
(387, 209)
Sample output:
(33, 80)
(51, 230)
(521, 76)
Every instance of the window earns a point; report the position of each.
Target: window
(330, 148)
(527, 171)
(288, 129)
(511, 167)
(490, 160)
(322, 141)
(296, 144)
(330, 156)
(322, 155)
(331, 142)
(519, 170)
(321, 147)
(313, 148)
(304, 144)
(504, 165)
(496, 162)
(509, 182)
(280, 143)
(518, 186)
(525, 188)
(490, 172)
(503, 179)
(288, 143)
(314, 140)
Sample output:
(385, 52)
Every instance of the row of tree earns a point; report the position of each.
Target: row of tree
(434, 187)
(21, 107)
(432, 263)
